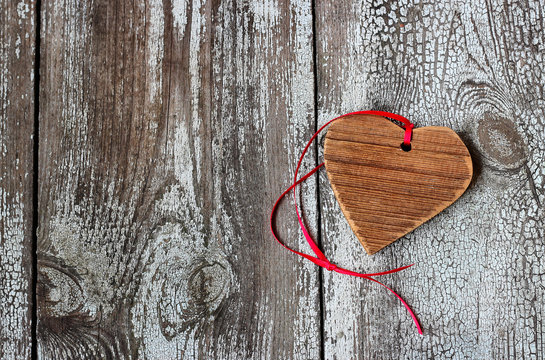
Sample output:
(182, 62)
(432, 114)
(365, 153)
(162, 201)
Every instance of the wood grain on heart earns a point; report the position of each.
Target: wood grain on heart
(384, 191)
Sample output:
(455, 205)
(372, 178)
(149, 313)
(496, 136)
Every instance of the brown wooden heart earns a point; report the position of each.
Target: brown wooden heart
(384, 191)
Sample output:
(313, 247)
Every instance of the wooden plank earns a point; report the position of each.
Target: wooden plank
(17, 47)
(477, 286)
(166, 132)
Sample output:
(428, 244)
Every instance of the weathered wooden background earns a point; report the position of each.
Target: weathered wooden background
(142, 163)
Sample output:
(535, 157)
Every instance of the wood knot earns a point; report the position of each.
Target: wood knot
(501, 143)
(58, 290)
(191, 294)
(64, 326)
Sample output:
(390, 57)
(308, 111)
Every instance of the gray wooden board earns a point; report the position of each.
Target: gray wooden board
(478, 283)
(167, 130)
(17, 44)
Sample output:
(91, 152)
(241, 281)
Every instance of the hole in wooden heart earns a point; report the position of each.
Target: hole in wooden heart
(405, 147)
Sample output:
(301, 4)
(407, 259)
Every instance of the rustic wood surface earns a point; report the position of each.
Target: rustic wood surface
(478, 282)
(384, 191)
(168, 129)
(17, 44)
(166, 132)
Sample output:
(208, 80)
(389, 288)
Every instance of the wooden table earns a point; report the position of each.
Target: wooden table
(142, 145)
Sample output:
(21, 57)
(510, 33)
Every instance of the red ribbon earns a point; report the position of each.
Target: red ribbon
(320, 258)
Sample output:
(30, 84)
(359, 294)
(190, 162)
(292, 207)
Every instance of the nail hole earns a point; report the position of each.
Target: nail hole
(405, 147)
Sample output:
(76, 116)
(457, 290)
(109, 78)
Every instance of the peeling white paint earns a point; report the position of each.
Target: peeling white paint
(16, 95)
(179, 9)
(23, 9)
(262, 95)
(198, 30)
(475, 284)
(155, 49)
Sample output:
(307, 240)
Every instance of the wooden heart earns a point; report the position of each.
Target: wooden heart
(384, 191)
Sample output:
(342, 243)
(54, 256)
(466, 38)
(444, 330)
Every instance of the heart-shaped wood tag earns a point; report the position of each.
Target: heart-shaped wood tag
(384, 191)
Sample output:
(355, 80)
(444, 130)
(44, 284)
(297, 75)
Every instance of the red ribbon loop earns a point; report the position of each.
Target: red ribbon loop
(320, 259)
(408, 134)
(326, 264)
